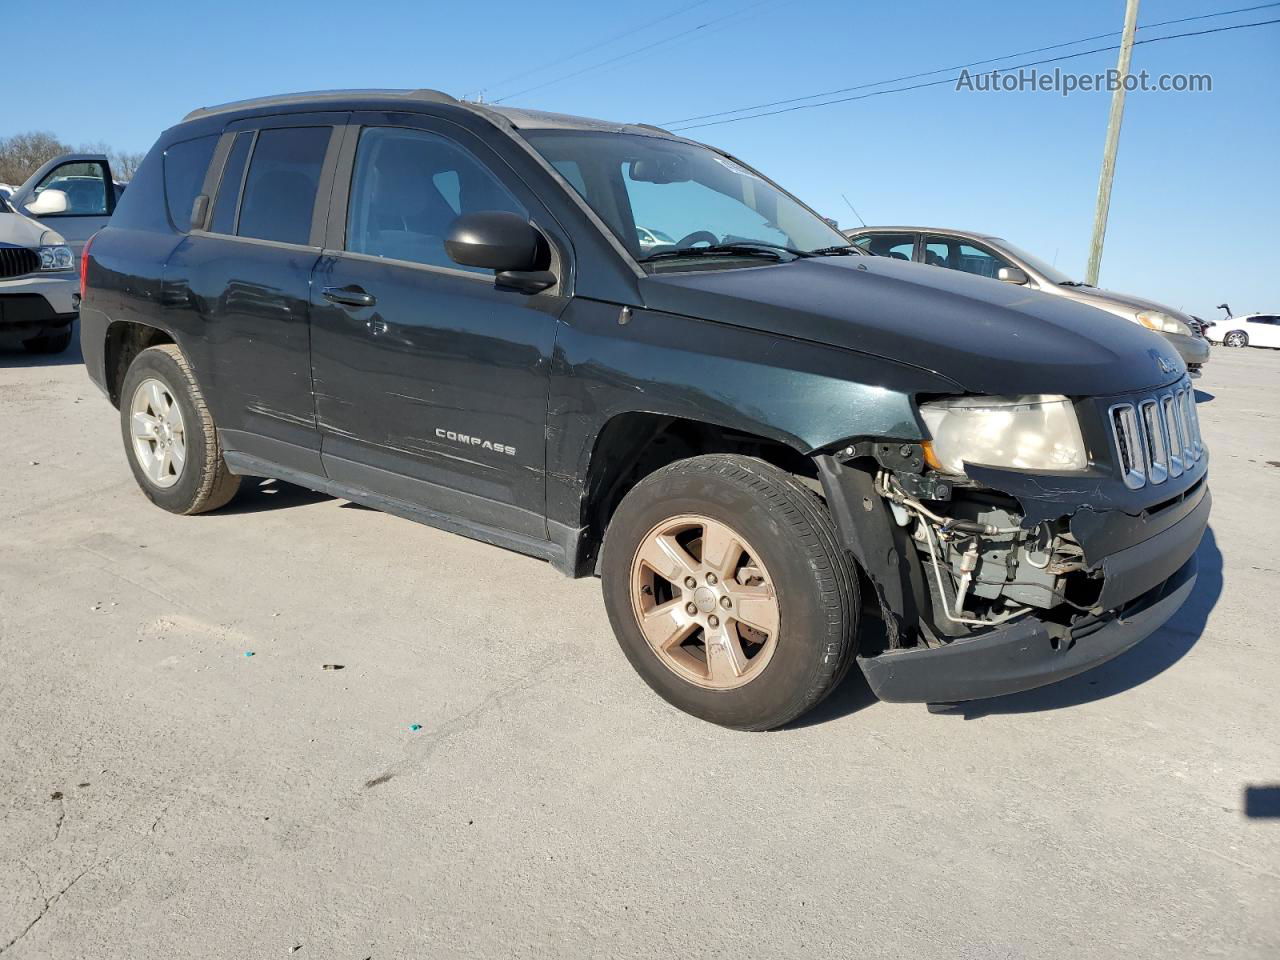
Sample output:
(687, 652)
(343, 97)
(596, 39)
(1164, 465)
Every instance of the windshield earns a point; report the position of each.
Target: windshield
(659, 195)
(1052, 274)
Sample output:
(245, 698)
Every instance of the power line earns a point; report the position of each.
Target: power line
(631, 53)
(965, 66)
(598, 44)
(935, 83)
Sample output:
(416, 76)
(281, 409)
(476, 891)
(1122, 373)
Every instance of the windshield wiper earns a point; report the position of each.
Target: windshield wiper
(722, 250)
(839, 250)
(1074, 283)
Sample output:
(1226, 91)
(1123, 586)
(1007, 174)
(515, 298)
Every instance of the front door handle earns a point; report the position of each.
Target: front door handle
(351, 296)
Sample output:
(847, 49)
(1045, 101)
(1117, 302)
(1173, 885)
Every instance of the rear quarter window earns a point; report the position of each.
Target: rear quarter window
(185, 165)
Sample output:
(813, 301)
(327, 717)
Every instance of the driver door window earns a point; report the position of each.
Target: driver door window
(957, 254)
(408, 188)
(85, 185)
(91, 197)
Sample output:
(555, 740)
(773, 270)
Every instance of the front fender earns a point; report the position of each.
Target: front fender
(806, 395)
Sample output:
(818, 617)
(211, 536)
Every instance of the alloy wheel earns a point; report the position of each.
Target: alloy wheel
(705, 602)
(159, 433)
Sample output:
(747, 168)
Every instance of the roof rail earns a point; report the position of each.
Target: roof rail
(650, 126)
(314, 96)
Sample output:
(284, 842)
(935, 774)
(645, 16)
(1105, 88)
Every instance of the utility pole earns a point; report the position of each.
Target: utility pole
(1113, 141)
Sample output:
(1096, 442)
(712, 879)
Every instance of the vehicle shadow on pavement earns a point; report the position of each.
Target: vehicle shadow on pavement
(1203, 396)
(261, 493)
(1151, 657)
(13, 354)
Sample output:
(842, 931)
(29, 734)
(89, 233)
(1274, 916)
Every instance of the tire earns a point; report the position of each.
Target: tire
(790, 551)
(202, 482)
(1236, 338)
(49, 342)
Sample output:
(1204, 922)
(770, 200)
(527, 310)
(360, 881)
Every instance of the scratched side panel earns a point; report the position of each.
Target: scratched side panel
(440, 386)
(247, 305)
(805, 395)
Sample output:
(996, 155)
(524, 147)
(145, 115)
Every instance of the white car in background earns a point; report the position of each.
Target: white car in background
(39, 284)
(652, 239)
(1252, 330)
(87, 187)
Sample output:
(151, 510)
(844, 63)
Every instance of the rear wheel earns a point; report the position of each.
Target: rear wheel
(729, 591)
(1236, 338)
(169, 435)
(55, 342)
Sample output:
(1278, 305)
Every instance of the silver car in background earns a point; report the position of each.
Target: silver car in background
(990, 256)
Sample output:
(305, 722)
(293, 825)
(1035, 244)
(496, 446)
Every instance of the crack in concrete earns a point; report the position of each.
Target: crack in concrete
(62, 815)
(50, 901)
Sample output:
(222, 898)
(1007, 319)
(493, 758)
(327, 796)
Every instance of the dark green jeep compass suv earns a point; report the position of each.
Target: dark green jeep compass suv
(755, 435)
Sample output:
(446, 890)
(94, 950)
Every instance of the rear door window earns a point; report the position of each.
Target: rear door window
(185, 165)
(280, 189)
(898, 246)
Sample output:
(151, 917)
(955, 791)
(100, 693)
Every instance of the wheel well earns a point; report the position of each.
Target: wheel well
(125, 340)
(633, 445)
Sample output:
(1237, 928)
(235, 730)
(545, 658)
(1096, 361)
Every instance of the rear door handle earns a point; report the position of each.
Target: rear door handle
(351, 296)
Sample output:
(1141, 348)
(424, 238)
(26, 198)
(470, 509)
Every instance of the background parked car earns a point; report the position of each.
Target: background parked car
(990, 256)
(39, 285)
(86, 183)
(1252, 330)
(653, 238)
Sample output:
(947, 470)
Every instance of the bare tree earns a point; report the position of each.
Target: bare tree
(23, 153)
(123, 163)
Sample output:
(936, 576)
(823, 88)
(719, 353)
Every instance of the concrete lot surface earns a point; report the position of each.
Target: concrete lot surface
(165, 794)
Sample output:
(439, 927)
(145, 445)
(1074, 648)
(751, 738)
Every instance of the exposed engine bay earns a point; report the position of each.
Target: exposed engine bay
(983, 566)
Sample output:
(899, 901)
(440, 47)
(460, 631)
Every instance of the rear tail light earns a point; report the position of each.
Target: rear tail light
(84, 266)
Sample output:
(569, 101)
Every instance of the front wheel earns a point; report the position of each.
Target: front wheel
(1236, 338)
(169, 435)
(729, 592)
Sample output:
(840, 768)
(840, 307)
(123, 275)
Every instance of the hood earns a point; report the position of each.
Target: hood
(20, 231)
(1121, 304)
(986, 336)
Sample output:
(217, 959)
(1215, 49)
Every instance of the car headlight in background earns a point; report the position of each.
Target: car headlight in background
(1033, 432)
(55, 257)
(1162, 323)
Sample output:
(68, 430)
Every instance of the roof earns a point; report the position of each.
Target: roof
(974, 234)
(516, 117)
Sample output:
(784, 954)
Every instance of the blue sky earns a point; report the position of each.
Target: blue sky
(1196, 191)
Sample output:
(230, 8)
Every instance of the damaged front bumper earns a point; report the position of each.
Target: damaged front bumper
(1140, 545)
(1027, 654)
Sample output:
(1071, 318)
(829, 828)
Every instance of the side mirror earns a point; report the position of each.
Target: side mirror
(505, 243)
(1012, 275)
(495, 240)
(49, 201)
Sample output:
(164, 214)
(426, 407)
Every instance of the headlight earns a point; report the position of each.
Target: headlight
(1036, 432)
(56, 257)
(1162, 323)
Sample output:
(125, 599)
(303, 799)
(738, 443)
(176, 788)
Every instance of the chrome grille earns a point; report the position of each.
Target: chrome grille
(17, 262)
(1156, 437)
